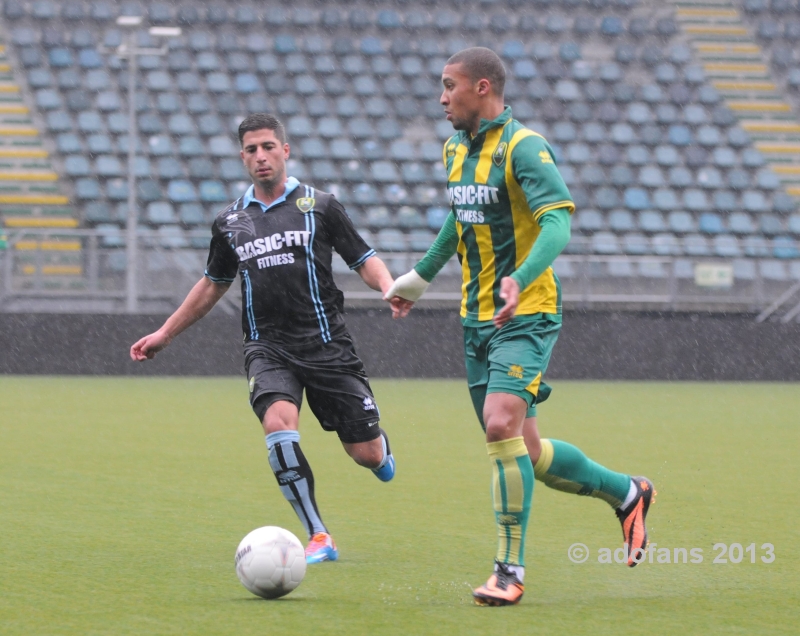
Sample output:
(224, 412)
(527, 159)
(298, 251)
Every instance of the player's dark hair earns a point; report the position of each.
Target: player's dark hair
(482, 63)
(260, 121)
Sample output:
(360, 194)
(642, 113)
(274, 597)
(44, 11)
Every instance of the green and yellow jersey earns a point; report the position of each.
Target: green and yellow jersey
(500, 183)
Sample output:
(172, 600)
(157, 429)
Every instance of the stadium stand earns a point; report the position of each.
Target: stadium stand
(669, 127)
(30, 193)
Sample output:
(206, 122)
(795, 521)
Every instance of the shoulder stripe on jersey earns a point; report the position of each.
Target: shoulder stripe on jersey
(248, 298)
(363, 259)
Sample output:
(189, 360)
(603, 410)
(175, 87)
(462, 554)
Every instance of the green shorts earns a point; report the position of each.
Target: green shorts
(510, 360)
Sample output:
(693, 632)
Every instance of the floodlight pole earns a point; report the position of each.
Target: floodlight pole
(132, 219)
(132, 222)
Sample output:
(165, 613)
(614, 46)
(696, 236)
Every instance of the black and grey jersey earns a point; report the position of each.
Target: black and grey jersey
(282, 254)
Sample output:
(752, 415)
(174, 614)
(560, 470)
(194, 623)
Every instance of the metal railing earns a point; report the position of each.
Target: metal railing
(85, 270)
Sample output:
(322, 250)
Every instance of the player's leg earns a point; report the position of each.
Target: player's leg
(502, 415)
(294, 475)
(565, 467)
(512, 495)
(276, 395)
(339, 395)
(375, 454)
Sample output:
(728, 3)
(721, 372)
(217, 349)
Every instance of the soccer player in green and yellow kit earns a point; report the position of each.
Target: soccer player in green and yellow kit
(509, 220)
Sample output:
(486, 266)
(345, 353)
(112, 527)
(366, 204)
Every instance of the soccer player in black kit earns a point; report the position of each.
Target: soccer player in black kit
(279, 238)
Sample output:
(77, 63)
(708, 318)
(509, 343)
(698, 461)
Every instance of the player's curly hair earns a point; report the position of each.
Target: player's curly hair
(482, 63)
(260, 121)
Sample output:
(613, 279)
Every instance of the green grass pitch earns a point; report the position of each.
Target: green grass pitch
(122, 502)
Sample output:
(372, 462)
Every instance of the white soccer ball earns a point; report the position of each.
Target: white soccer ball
(270, 562)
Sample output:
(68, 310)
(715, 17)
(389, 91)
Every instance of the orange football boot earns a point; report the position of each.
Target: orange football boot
(632, 518)
(502, 588)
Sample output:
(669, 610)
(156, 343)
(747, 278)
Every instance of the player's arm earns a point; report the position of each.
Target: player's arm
(221, 269)
(552, 240)
(548, 198)
(375, 274)
(350, 245)
(203, 296)
(410, 287)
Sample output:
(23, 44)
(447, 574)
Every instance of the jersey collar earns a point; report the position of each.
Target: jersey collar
(500, 120)
(250, 196)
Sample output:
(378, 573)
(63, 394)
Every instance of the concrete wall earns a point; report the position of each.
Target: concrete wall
(593, 345)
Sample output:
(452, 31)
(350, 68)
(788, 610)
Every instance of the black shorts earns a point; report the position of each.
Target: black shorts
(332, 375)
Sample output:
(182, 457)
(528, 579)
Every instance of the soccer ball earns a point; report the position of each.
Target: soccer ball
(270, 562)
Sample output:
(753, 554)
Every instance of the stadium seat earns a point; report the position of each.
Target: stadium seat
(726, 246)
(754, 201)
(709, 178)
(767, 180)
(680, 177)
(589, 175)
(652, 221)
(181, 191)
(621, 175)
(744, 269)
(741, 223)
(577, 153)
(711, 223)
(681, 222)
(620, 268)
(636, 199)
(604, 198)
(666, 245)
(212, 192)
(651, 177)
(160, 212)
(771, 224)
(108, 166)
(621, 221)
(605, 243)
(696, 245)
(793, 224)
(588, 220)
(391, 240)
(635, 244)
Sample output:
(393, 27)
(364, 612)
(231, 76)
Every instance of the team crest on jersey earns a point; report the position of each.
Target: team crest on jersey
(232, 218)
(451, 150)
(306, 204)
(499, 154)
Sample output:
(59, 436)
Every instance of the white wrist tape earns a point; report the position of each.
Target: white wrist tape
(409, 286)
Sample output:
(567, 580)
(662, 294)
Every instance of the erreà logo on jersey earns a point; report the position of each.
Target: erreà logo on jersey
(499, 154)
(306, 204)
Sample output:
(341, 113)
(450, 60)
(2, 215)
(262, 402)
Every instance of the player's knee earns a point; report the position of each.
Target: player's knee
(500, 424)
(281, 416)
(366, 454)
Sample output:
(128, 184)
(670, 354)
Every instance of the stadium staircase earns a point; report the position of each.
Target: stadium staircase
(31, 197)
(739, 69)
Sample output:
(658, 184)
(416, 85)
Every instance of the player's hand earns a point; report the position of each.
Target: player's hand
(400, 307)
(149, 346)
(408, 287)
(509, 292)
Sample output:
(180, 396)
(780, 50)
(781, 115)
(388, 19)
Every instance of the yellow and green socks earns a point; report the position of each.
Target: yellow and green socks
(564, 467)
(512, 492)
